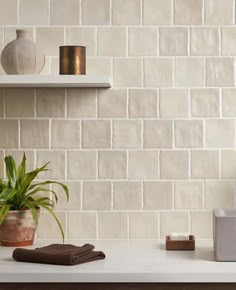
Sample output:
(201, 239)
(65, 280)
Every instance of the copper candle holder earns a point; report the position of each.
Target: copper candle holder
(72, 60)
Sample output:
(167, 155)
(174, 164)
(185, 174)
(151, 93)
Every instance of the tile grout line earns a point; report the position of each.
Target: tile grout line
(96, 104)
(135, 211)
(18, 12)
(66, 164)
(235, 133)
(81, 134)
(127, 41)
(35, 104)
(234, 12)
(67, 224)
(121, 119)
(141, 132)
(234, 71)
(189, 222)
(204, 194)
(143, 74)
(127, 104)
(66, 104)
(194, 149)
(128, 225)
(234, 194)
(138, 180)
(189, 165)
(97, 225)
(156, 149)
(81, 194)
(97, 164)
(110, 14)
(173, 194)
(96, 40)
(127, 165)
(205, 71)
(190, 104)
(172, 12)
(4, 103)
(189, 42)
(173, 133)
(159, 164)
(80, 12)
(204, 134)
(112, 195)
(49, 12)
(121, 26)
(220, 157)
(158, 41)
(65, 35)
(203, 12)
(19, 134)
(173, 72)
(142, 196)
(141, 12)
(157, 97)
(220, 40)
(220, 103)
(50, 133)
(35, 157)
(112, 134)
(159, 226)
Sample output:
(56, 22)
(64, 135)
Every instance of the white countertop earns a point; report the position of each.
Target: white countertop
(126, 261)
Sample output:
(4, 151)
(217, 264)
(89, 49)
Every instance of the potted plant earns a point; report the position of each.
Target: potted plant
(20, 203)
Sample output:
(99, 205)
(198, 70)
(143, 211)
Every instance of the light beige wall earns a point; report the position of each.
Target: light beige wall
(154, 154)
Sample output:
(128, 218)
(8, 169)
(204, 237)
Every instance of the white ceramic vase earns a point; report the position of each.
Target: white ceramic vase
(21, 56)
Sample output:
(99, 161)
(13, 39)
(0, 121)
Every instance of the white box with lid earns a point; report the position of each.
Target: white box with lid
(224, 234)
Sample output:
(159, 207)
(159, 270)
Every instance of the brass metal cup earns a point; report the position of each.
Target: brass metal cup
(72, 60)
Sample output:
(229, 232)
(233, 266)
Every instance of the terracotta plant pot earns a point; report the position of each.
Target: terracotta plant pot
(18, 229)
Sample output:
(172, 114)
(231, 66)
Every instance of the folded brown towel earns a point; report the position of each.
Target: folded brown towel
(59, 254)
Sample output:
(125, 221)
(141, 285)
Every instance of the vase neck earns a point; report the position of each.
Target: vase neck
(20, 33)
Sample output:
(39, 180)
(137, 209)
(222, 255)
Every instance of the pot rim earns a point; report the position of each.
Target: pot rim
(21, 210)
(20, 215)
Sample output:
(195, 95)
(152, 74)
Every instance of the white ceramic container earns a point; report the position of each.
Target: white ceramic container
(21, 56)
(224, 234)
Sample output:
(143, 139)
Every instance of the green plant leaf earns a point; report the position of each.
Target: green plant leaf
(20, 173)
(3, 213)
(35, 213)
(2, 185)
(50, 210)
(42, 189)
(11, 170)
(47, 199)
(65, 188)
(37, 202)
(7, 194)
(30, 176)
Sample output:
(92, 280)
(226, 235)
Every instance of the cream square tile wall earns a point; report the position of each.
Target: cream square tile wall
(156, 152)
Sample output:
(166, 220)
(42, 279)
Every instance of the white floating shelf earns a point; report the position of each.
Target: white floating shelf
(54, 81)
